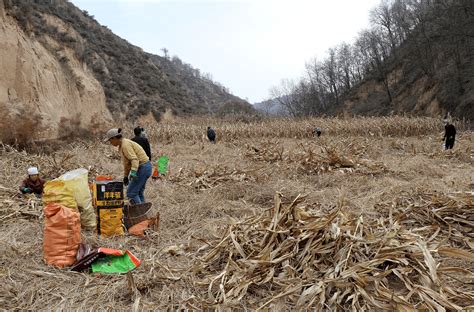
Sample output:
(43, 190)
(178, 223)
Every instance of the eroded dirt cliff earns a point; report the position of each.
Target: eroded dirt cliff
(44, 79)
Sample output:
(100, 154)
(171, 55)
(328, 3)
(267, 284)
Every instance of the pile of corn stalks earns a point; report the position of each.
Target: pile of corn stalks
(316, 159)
(336, 261)
(268, 152)
(328, 159)
(450, 216)
(13, 207)
(210, 177)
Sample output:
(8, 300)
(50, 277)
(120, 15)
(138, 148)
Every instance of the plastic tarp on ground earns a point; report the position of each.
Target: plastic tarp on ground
(115, 261)
(77, 181)
(104, 260)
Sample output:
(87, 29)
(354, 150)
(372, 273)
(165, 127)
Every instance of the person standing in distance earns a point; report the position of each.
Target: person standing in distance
(449, 135)
(136, 165)
(142, 140)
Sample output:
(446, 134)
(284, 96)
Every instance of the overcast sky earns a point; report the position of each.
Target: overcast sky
(247, 45)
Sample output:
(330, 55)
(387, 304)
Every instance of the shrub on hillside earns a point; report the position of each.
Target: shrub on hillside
(72, 128)
(236, 108)
(19, 129)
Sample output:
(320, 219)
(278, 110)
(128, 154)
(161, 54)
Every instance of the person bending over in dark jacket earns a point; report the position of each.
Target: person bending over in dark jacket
(317, 132)
(142, 140)
(211, 135)
(449, 135)
(33, 184)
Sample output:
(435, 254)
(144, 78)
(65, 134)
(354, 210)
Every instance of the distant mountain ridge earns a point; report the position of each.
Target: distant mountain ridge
(134, 83)
(271, 107)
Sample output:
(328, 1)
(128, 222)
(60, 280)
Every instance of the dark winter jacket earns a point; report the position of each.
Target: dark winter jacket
(34, 186)
(449, 132)
(211, 135)
(144, 143)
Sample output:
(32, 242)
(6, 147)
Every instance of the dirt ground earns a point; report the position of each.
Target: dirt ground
(211, 186)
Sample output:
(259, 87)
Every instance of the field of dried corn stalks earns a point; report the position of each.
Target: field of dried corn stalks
(373, 215)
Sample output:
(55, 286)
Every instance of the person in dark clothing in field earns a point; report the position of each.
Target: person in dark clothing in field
(449, 135)
(317, 132)
(211, 135)
(142, 140)
(33, 184)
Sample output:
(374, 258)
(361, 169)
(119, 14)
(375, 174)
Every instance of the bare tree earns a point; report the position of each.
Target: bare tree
(382, 16)
(315, 87)
(400, 18)
(372, 43)
(345, 64)
(284, 95)
(165, 53)
(268, 106)
(207, 76)
(330, 69)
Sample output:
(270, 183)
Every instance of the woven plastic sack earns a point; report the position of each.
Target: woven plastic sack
(77, 181)
(56, 191)
(62, 235)
(110, 221)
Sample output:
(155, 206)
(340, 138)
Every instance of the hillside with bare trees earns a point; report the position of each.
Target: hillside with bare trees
(416, 58)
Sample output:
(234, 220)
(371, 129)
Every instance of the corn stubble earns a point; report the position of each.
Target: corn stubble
(342, 261)
(384, 221)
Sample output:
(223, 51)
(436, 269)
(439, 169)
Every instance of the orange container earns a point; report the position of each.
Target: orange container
(155, 173)
(103, 178)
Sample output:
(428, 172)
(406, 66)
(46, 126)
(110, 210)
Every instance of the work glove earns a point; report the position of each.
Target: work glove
(125, 181)
(133, 174)
(26, 190)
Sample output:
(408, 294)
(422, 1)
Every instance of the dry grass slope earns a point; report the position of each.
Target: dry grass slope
(373, 214)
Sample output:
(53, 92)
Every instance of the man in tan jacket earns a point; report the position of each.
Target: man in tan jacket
(136, 165)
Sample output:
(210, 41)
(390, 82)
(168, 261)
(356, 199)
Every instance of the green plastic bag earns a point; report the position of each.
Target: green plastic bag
(163, 163)
(115, 262)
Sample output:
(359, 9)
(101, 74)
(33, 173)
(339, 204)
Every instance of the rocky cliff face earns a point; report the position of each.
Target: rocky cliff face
(46, 81)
